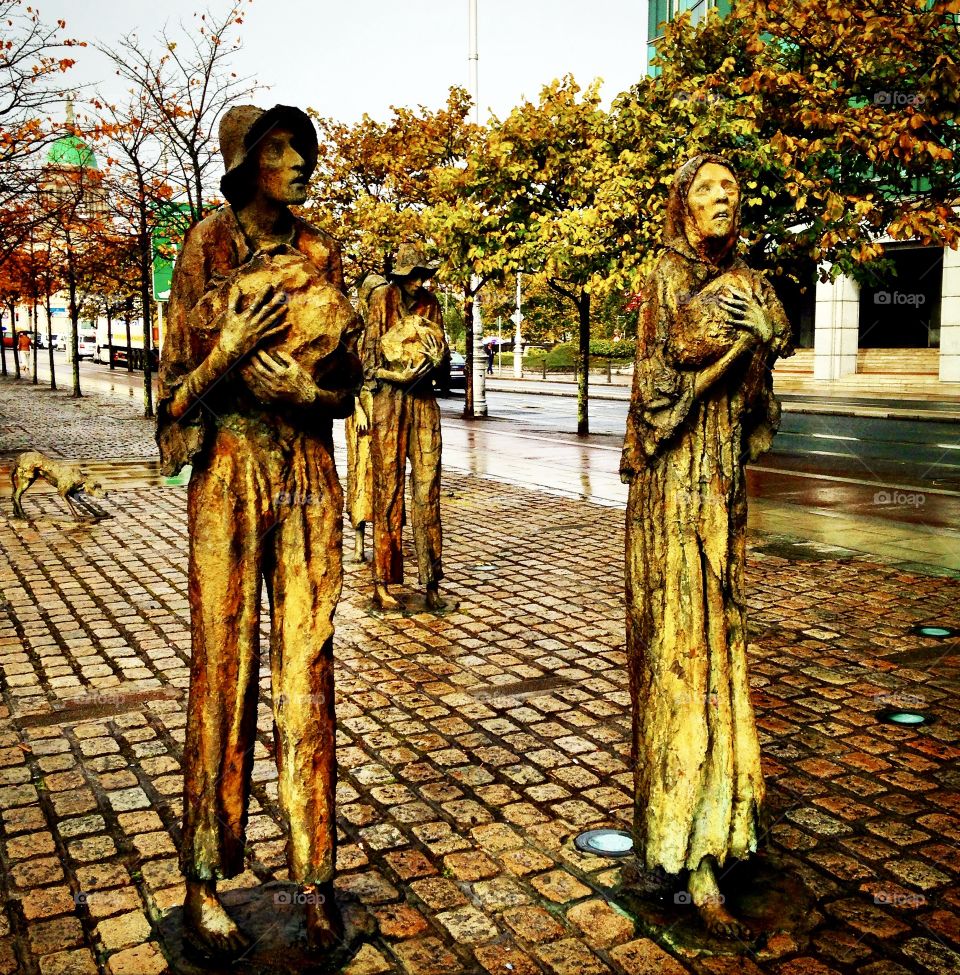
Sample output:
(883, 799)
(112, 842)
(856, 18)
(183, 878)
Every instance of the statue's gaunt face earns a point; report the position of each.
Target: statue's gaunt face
(283, 173)
(410, 285)
(712, 201)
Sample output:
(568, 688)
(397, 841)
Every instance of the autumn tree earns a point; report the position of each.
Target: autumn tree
(379, 184)
(78, 221)
(180, 86)
(841, 119)
(14, 288)
(33, 58)
(138, 187)
(538, 183)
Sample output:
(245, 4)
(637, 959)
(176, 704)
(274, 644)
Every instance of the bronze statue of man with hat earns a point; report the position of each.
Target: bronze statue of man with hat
(403, 344)
(259, 358)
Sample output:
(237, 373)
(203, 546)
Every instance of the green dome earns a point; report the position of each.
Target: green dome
(71, 150)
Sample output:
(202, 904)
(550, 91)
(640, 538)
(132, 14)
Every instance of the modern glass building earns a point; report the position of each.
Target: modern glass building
(663, 11)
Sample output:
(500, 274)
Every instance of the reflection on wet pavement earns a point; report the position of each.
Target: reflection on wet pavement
(902, 523)
(817, 499)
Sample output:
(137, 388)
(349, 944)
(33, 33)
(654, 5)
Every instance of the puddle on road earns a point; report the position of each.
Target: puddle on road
(519, 690)
(805, 551)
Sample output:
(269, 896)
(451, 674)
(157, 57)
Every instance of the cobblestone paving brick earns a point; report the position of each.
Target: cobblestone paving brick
(473, 746)
(92, 426)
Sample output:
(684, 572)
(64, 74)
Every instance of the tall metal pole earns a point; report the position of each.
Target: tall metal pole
(474, 62)
(479, 372)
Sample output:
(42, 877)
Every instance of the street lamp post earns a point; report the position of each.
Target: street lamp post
(478, 371)
(517, 319)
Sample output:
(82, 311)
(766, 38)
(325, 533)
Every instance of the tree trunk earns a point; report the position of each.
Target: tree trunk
(3, 350)
(468, 413)
(110, 361)
(583, 366)
(127, 314)
(53, 374)
(147, 314)
(16, 338)
(36, 341)
(75, 337)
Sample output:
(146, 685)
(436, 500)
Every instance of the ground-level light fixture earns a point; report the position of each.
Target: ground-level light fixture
(605, 842)
(905, 718)
(934, 631)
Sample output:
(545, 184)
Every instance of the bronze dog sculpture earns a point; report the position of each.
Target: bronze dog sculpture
(74, 485)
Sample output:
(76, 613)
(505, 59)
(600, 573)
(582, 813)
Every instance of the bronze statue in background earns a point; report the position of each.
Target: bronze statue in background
(403, 344)
(709, 332)
(259, 357)
(357, 432)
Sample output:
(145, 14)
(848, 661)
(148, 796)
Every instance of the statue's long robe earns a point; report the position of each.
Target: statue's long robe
(698, 783)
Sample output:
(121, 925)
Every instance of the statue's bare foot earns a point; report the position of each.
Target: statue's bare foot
(709, 903)
(383, 599)
(720, 922)
(434, 600)
(358, 553)
(207, 927)
(324, 921)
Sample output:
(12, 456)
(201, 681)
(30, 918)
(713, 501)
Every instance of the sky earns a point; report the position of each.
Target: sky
(345, 59)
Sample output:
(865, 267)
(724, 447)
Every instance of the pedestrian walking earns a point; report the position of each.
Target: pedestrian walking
(24, 345)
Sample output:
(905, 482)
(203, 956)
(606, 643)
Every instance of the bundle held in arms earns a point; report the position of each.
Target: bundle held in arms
(320, 321)
(405, 345)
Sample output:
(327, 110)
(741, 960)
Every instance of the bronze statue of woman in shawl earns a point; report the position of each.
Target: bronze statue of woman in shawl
(709, 332)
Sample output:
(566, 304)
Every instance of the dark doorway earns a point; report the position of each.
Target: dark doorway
(799, 299)
(902, 310)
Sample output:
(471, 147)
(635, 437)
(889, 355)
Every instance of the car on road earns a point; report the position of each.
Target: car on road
(451, 375)
(86, 344)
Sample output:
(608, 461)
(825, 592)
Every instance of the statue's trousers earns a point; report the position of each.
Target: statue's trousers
(262, 507)
(405, 426)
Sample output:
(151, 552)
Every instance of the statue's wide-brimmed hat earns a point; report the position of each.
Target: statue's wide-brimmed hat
(243, 127)
(411, 259)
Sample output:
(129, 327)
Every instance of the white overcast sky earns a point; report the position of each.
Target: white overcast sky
(347, 57)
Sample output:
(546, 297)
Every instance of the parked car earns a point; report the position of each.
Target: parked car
(86, 344)
(454, 376)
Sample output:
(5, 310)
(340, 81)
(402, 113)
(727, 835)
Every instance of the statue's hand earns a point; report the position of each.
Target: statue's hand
(243, 331)
(748, 313)
(276, 378)
(360, 418)
(433, 349)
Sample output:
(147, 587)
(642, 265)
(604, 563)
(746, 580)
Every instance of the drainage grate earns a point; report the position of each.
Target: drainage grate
(520, 690)
(99, 704)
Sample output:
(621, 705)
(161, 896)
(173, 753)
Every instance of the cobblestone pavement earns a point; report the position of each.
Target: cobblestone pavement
(38, 418)
(473, 746)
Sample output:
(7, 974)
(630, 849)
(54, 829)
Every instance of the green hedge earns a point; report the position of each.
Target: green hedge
(624, 349)
(564, 356)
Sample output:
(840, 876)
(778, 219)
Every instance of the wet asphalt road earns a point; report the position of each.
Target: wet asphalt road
(904, 452)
